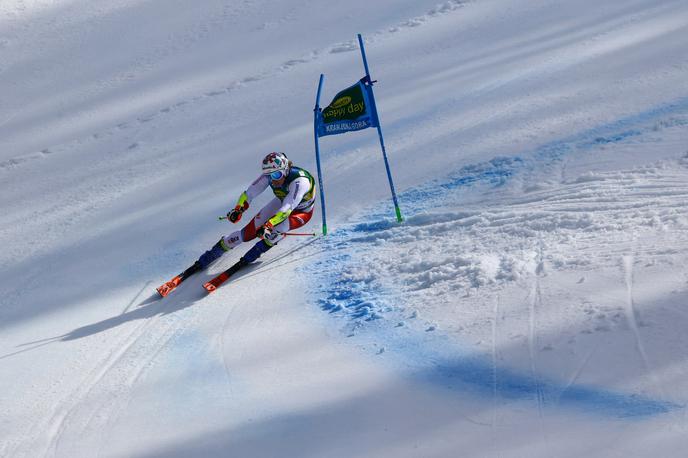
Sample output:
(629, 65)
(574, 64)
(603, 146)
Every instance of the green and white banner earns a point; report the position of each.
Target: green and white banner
(350, 110)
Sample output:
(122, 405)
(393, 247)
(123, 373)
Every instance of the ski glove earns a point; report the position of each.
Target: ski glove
(267, 232)
(234, 215)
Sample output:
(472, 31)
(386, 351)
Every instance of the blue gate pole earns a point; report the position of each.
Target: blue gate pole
(316, 111)
(379, 131)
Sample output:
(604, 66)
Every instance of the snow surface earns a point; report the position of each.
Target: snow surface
(533, 304)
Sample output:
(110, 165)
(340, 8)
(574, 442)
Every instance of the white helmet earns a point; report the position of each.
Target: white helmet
(276, 165)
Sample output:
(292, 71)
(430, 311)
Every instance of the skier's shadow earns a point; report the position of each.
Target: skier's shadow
(152, 306)
(186, 295)
(149, 308)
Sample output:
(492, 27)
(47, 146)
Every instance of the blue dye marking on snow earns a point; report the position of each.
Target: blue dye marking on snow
(510, 385)
(463, 371)
(494, 172)
(499, 170)
(375, 226)
(362, 301)
(442, 362)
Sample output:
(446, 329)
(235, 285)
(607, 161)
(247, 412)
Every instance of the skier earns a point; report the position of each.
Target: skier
(292, 207)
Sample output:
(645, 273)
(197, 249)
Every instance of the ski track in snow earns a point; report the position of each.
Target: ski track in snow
(578, 371)
(632, 315)
(95, 403)
(495, 377)
(63, 416)
(535, 304)
(355, 289)
(440, 10)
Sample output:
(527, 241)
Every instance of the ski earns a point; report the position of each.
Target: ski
(167, 287)
(216, 282)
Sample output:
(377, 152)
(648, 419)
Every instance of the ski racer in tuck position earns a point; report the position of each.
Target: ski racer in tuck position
(291, 208)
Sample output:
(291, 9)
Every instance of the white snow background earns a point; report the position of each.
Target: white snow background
(533, 304)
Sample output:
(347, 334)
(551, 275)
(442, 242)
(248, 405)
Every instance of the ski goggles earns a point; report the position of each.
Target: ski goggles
(277, 175)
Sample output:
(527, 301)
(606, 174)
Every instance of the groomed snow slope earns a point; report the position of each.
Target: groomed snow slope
(532, 304)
